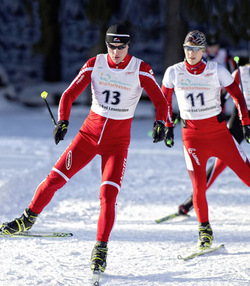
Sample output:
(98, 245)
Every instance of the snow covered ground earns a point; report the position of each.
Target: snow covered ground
(141, 252)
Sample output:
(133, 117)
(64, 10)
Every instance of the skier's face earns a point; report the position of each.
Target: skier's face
(117, 54)
(193, 53)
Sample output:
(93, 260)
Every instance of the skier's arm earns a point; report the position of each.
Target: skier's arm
(240, 102)
(69, 96)
(153, 90)
(227, 80)
(168, 92)
(236, 77)
(243, 113)
(77, 86)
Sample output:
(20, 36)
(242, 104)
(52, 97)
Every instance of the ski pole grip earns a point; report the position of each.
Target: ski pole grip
(44, 95)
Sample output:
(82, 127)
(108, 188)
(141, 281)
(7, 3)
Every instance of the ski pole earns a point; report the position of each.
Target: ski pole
(236, 59)
(44, 96)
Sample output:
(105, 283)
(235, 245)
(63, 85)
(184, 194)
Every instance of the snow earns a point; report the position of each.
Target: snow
(141, 252)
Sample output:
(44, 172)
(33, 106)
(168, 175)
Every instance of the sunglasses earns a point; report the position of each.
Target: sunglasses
(193, 48)
(112, 47)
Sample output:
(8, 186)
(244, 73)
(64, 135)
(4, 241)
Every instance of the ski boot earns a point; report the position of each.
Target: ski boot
(99, 256)
(19, 225)
(205, 235)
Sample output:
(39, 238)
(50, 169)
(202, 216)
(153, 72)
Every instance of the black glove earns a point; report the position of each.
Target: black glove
(246, 132)
(60, 130)
(169, 137)
(158, 132)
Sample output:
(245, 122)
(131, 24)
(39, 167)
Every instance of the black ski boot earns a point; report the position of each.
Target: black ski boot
(99, 256)
(19, 225)
(205, 235)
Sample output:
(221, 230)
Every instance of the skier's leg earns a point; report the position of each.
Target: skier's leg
(74, 158)
(218, 166)
(113, 168)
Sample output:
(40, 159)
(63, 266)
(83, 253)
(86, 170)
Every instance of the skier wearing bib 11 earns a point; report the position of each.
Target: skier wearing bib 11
(197, 84)
(234, 126)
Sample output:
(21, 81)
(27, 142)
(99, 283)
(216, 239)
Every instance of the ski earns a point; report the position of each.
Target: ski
(38, 234)
(200, 252)
(96, 278)
(174, 216)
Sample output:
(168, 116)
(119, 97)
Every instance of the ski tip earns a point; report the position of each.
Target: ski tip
(172, 217)
(200, 252)
(221, 246)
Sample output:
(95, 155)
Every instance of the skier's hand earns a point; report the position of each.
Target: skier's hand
(246, 132)
(158, 132)
(60, 130)
(169, 137)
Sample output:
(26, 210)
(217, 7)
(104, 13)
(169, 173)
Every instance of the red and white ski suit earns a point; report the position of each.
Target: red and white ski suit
(204, 133)
(116, 90)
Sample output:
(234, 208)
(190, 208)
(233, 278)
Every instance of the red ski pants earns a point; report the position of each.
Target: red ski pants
(78, 154)
(207, 138)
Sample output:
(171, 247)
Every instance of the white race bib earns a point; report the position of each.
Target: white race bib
(115, 93)
(198, 96)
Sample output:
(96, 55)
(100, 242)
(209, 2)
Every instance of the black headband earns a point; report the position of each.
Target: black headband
(117, 34)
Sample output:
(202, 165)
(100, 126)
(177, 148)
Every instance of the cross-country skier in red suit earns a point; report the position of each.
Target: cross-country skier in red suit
(234, 126)
(197, 86)
(117, 80)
